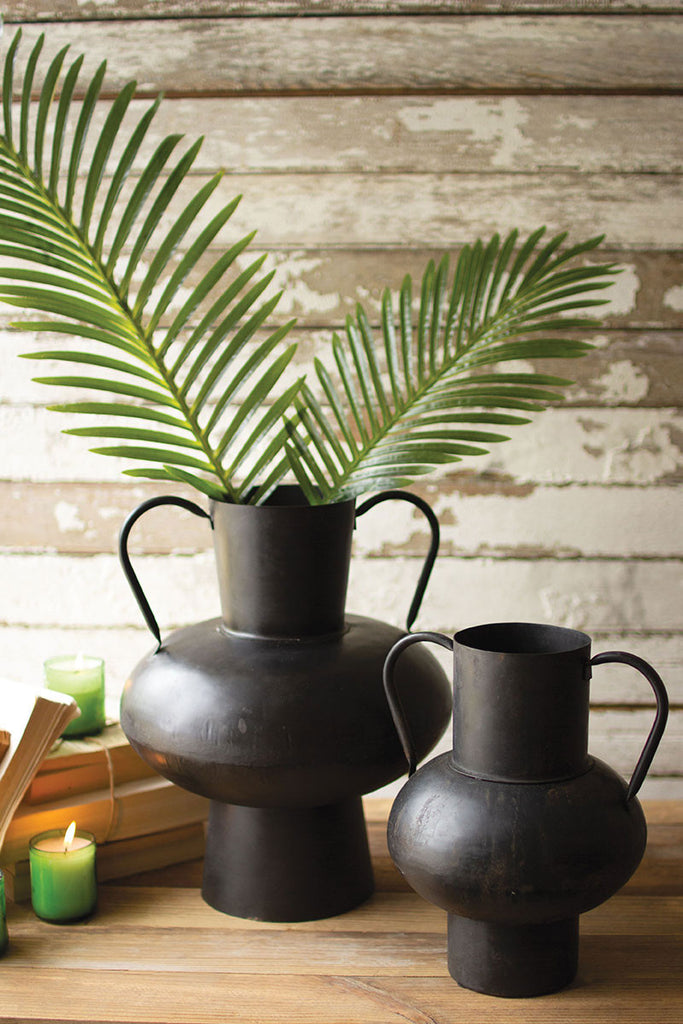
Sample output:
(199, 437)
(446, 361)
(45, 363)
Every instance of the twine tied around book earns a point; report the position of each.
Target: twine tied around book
(113, 800)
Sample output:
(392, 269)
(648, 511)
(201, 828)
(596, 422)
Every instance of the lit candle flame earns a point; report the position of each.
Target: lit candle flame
(69, 836)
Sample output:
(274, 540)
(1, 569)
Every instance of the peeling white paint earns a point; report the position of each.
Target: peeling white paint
(68, 518)
(500, 125)
(298, 296)
(579, 609)
(583, 124)
(516, 366)
(649, 454)
(42, 452)
(393, 521)
(623, 383)
(574, 611)
(628, 445)
(622, 294)
(110, 512)
(673, 298)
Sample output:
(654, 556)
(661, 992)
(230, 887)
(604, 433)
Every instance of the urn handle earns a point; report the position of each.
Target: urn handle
(652, 742)
(133, 581)
(433, 546)
(393, 699)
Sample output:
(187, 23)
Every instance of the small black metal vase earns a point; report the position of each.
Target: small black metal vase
(517, 830)
(276, 711)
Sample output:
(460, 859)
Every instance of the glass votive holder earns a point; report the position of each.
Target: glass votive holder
(4, 936)
(63, 875)
(81, 677)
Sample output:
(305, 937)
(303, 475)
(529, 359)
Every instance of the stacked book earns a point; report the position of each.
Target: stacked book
(140, 820)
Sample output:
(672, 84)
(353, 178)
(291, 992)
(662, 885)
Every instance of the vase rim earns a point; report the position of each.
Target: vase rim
(522, 638)
(286, 496)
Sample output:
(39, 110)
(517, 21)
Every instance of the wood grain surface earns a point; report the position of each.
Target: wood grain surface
(155, 951)
(70, 10)
(558, 53)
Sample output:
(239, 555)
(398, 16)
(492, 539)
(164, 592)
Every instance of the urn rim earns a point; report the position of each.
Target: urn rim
(523, 638)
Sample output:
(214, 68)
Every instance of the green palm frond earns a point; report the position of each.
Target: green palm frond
(93, 247)
(172, 345)
(375, 426)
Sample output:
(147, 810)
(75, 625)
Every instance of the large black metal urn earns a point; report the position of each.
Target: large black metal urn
(276, 710)
(517, 830)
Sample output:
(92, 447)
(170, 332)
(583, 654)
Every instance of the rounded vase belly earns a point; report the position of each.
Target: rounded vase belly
(272, 722)
(515, 853)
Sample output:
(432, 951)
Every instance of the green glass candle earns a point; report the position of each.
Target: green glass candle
(82, 677)
(4, 937)
(63, 878)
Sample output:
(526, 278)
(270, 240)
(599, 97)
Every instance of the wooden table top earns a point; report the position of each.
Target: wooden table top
(156, 952)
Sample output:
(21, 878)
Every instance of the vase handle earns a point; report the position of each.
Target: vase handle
(133, 581)
(433, 546)
(652, 742)
(393, 699)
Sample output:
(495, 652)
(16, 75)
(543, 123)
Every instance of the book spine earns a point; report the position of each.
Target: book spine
(68, 783)
(138, 808)
(123, 858)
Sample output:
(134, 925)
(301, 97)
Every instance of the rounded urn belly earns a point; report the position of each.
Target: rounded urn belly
(266, 722)
(515, 853)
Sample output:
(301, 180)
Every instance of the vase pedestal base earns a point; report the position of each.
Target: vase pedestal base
(287, 864)
(512, 960)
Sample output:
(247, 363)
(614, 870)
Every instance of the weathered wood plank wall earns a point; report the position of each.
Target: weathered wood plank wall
(367, 137)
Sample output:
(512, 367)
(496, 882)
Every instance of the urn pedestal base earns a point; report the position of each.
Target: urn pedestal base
(287, 864)
(512, 960)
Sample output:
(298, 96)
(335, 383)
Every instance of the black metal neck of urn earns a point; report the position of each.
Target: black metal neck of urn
(283, 567)
(521, 702)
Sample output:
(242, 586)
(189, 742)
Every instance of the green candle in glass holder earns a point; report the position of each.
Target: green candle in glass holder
(82, 677)
(63, 876)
